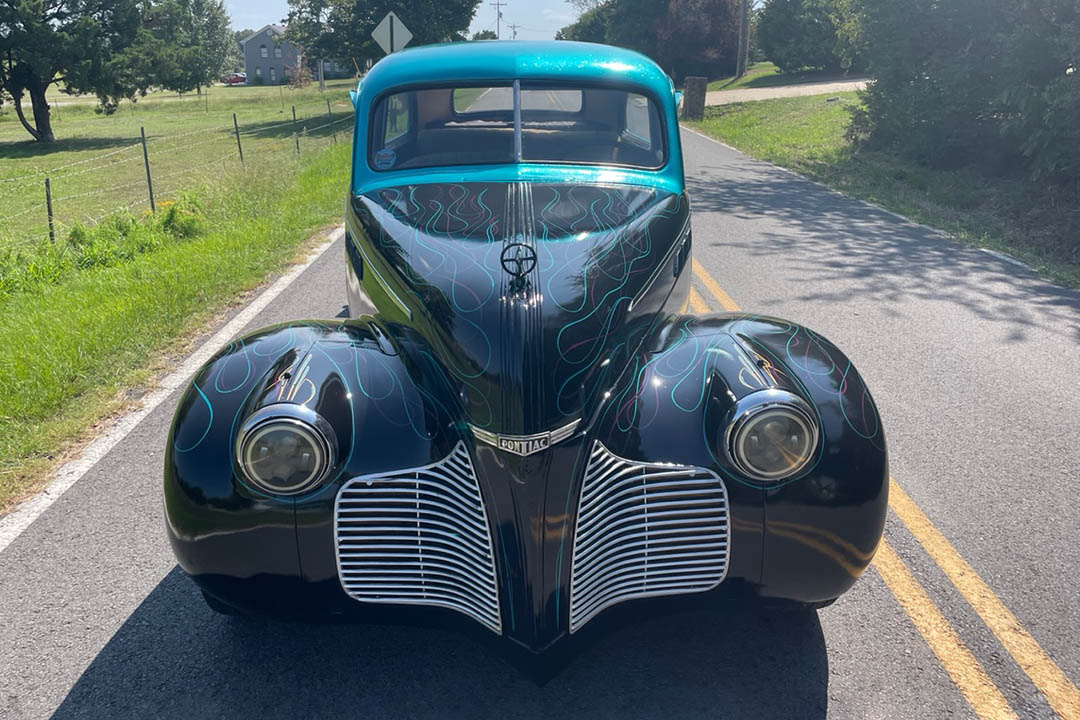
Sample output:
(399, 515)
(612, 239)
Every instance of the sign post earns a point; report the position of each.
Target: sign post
(391, 34)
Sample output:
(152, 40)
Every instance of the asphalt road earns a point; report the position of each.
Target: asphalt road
(972, 361)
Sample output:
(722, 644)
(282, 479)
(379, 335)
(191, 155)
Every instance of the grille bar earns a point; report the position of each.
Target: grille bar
(419, 537)
(645, 530)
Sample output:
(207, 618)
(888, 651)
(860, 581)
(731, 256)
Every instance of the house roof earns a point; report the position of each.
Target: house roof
(272, 27)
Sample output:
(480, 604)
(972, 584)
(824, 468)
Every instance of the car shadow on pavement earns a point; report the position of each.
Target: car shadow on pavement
(173, 657)
(844, 249)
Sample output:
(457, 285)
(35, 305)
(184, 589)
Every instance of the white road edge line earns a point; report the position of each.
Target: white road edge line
(15, 522)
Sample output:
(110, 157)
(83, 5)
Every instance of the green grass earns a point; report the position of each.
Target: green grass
(765, 74)
(96, 165)
(67, 348)
(807, 135)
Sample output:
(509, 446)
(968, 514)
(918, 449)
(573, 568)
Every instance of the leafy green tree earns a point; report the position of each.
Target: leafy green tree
(685, 37)
(592, 26)
(184, 44)
(800, 34)
(699, 37)
(342, 28)
(485, 35)
(79, 43)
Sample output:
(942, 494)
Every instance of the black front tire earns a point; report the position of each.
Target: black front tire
(220, 607)
(777, 606)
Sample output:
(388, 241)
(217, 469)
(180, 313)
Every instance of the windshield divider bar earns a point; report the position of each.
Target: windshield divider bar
(517, 121)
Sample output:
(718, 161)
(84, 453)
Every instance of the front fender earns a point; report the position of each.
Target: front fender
(390, 409)
(806, 538)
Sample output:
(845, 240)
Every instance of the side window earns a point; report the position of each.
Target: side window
(638, 125)
(397, 118)
(258, 72)
(263, 52)
(277, 51)
(273, 74)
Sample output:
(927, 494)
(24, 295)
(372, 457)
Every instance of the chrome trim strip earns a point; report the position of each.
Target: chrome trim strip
(684, 235)
(419, 537)
(378, 276)
(643, 530)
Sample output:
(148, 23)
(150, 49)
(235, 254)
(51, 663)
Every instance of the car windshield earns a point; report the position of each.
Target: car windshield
(433, 127)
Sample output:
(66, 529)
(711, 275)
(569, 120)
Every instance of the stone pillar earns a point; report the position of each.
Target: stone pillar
(693, 103)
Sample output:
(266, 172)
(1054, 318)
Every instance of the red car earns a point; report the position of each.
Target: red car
(236, 78)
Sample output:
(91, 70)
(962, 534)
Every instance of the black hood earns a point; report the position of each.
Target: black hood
(532, 296)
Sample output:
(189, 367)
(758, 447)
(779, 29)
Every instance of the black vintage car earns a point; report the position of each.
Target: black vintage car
(518, 422)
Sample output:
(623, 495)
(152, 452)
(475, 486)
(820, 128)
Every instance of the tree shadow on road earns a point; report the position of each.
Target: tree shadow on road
(174, 658)
(842, 249)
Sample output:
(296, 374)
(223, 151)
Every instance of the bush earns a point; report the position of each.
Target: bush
(971, 81)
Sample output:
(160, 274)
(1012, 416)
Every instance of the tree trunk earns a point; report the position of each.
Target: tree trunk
(41, 130)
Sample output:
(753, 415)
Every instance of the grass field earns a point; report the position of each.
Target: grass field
(765, 74)
(96, 165)
(100, 308)
(807, 134)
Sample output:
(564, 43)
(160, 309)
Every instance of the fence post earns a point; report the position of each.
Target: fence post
(296, 132)
(146, 161)
(330, 115)
(48, 207)
(239, 147)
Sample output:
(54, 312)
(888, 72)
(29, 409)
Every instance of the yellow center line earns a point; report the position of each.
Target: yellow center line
(713, 287)
(696, 303)
(965, 670)
(1052, 682)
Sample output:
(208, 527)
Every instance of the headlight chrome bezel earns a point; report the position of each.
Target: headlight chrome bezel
(299, 419)
(751, 408)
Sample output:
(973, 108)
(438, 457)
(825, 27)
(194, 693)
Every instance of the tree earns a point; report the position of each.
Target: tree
(699, 37)
(800, 34)
(485, 35)
(592, 26)
(685, 37)
(80, 43)
(185, 45)
(342, 28)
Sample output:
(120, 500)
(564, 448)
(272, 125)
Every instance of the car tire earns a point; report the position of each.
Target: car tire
(777, 606)
(220, 607)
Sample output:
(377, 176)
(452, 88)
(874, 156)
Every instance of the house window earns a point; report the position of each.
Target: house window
(273, 75)
(263, 51)
(258, 72)
(277, 51)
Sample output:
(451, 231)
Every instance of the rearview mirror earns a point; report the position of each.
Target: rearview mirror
(352, 97)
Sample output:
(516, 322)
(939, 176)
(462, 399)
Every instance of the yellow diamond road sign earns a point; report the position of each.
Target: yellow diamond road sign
(391, 33)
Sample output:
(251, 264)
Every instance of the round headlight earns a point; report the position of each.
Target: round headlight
(773, 435)
(285, 449)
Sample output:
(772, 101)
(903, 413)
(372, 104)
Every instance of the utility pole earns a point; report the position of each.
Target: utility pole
(744, 38)
(498, 5)
(514, 27)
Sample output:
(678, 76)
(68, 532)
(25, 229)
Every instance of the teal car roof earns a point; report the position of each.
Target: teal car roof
(492, 61)
(509, 60)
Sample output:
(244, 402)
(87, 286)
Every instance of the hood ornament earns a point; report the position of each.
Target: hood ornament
(525, 444)
(518, 259)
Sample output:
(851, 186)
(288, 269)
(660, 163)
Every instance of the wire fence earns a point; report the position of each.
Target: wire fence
(39, 205)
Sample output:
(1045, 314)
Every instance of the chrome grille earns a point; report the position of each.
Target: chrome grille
(644, 530)
(419, 537)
